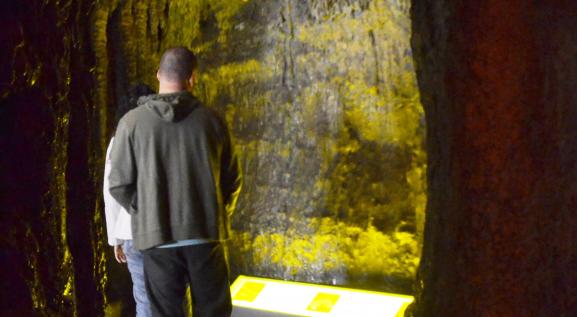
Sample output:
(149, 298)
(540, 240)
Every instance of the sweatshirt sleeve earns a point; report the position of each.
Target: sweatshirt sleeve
(230, 175)
(122, 179)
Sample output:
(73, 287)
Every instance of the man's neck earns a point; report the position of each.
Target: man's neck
(169, 88)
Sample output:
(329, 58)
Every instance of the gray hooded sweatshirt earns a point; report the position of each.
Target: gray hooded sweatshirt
(174, 170)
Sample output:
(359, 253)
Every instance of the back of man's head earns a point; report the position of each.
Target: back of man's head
(177, 65)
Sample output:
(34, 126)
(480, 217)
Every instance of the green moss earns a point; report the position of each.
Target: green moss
(225, 12)
(234, 80)
(318, 247)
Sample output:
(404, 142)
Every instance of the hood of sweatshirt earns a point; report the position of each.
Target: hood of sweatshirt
(171, 107)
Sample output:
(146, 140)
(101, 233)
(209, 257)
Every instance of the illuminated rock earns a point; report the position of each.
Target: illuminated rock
(324, 110)
(322, 101)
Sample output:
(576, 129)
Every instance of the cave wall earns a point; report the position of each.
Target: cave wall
(323, 104)
(51, 246)
(496, 80)
(322, 100)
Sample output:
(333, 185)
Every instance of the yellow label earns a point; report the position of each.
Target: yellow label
(249, 291)
(323, 302)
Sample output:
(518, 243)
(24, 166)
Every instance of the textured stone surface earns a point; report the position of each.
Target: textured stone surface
(322, 100)
(497, 83)
(51, 246)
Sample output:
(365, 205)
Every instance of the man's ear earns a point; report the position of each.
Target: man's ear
(158, 75)
(192, 80)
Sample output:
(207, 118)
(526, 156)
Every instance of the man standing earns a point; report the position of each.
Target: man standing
(174, 170)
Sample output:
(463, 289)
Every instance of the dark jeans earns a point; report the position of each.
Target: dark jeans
(167, 271)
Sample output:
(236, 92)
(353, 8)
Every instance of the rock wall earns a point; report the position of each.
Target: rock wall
(496, 80)
(322, 100)
(51, 246)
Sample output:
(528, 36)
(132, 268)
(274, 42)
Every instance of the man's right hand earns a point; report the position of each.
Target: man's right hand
(119, 254)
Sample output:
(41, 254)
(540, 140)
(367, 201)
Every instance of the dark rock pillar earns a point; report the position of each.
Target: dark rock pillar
(51, 232)
(498, 84)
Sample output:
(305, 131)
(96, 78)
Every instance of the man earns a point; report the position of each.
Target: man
(174, 170)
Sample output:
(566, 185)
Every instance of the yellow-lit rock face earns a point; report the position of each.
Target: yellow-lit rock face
(322, 101)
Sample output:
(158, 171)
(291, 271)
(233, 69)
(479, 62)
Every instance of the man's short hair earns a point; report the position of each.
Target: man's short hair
(177, 64)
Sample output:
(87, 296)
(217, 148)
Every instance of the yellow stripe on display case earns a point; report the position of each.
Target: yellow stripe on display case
(261, 297)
